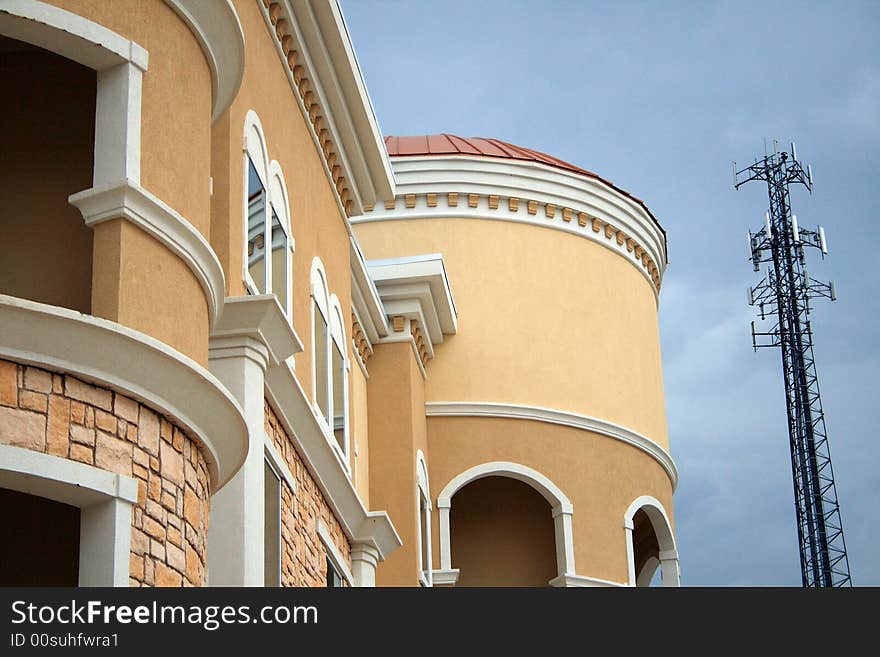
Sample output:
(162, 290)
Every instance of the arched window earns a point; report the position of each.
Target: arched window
(424, 504)
(329, 362)
(339, 377)
(267, 220)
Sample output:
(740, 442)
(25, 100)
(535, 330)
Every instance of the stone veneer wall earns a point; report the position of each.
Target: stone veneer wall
(303, 556)
(60, 415)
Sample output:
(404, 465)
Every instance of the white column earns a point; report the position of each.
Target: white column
(564, 541)
(236, 525)
(445, 539)
(669, 569)
(630, 553)
(364, 558)
(105, 543)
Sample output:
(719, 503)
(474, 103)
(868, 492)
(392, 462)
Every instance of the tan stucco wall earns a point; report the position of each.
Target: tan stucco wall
(600, 476)
(545, 319)
(176, 104)
(317, 224)
(47, 156)
(397, 432)
(502, 534)
(360, 428)
(138, 282)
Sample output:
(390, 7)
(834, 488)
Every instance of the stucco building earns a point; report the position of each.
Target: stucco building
(246, 340)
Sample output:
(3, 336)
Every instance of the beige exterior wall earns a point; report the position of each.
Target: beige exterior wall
(545, 319)
(63, 416)
(397, 432)
(360, 428)
(176, 105)
(600, 476)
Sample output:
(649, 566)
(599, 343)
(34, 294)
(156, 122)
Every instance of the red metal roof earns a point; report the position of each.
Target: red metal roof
(445, 144)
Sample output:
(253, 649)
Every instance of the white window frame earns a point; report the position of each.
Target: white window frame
(333, 554)
(423, 494)
(272, 179)
(270, 463)
(331, 311)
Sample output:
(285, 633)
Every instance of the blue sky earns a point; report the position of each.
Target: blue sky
(659, 97)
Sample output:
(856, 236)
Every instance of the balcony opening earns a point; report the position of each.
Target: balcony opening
(40, 545)
(48, 119)
(502, 534)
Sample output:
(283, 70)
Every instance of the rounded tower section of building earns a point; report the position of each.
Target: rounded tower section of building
(547, 445)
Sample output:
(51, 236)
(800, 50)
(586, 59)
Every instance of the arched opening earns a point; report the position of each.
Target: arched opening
(48, 154)
(41, 541)
(502, 534)
(646, 549)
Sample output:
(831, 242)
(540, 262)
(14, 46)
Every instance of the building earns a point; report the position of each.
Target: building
(445, 370)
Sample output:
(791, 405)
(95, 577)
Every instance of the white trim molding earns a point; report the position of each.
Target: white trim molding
(135, 364)
(120, 65)
(561, 508)
(105, 500)
(126, 199)
(313, 44)
(582, 581)
(218, 30)
(564, 418)
(668, 552)
(568, 202)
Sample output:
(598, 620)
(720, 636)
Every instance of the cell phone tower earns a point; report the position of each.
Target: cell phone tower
(784, 297)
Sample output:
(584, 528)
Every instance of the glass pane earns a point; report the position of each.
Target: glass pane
(279, 261)
(333, 578)
(256, 247)
(272, 528)
(423, 513)
(338, 397)
(322, 382)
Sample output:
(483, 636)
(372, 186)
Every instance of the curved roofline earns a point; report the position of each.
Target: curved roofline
(446, 144)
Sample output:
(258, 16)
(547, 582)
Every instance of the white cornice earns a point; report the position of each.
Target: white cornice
(526, 181)
(421, 279)
(126, 199)
(564, 418)
(299, 420)
(218, 30)
(324, 50)
(135, 364)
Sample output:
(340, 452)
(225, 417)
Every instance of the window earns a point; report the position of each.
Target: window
(269, 243)
(256, 223)
(272, 528)
(334, 579)
(330, 364)
(426, 576)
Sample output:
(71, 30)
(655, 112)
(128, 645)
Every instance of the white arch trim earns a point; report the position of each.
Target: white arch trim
(104, 498)
(254, 146)
(320, 288)
(656, 513)
(562, 509)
